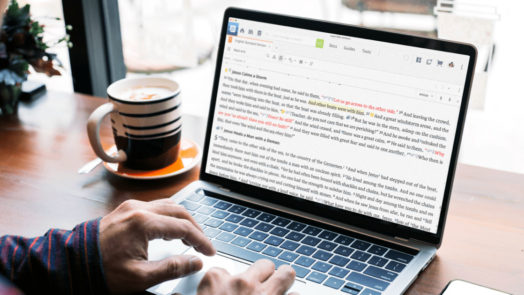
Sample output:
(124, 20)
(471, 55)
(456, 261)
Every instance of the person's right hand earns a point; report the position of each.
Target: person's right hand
(260, 278)
(124, 237)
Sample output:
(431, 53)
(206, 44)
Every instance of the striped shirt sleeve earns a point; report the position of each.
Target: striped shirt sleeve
(60, 262)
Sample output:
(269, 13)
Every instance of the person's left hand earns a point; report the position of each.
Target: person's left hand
(124, 237)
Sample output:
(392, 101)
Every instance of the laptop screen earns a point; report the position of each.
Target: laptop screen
(357, 124)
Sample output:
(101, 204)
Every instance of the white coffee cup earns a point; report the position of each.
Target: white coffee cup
(146, 120)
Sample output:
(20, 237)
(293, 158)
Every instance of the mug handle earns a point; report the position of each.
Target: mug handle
(93, 132)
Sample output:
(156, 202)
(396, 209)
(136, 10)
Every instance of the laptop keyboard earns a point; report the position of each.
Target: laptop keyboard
(324, 257)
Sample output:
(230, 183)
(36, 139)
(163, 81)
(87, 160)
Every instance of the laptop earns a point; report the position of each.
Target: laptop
(329, 147)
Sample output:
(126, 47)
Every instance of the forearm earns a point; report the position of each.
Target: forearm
(61, 262)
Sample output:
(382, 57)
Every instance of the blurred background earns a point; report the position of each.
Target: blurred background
(178, 39)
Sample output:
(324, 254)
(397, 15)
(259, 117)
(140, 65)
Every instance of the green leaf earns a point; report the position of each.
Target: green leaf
(23, 44)
(19, 66)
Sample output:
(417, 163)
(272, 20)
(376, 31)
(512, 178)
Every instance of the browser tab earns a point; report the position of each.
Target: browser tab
(349, 48)
(332, 45)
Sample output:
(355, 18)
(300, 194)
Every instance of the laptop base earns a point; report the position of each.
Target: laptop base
(234, 264)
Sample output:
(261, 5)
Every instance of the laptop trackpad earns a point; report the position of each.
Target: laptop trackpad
(188, 285)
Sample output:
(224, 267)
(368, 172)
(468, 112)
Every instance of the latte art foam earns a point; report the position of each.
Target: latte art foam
(145, 93)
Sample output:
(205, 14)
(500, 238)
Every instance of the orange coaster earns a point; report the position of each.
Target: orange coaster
(188, 157)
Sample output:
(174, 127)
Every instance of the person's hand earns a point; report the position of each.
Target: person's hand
(259, 278)
(124, 237)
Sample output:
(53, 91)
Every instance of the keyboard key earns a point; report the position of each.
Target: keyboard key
(344, 240)
(243, 231)
(378, 261)
(380, 273)
(295, 236)
(236, 209)
(339, 260)
(243, 253)
(313, 231)
(360, 245)
(211, 232)
(321, 266)
(213, 222)
(289, 245)
(316, 277)
(367, 281)
(296, 226)
(249, 222)
(229, 227)
(265, 227)
(327, 235)
(266, 217)
(306, 250)
(338, 272)
(322, 255)
(205, 210)
(279, 231)
(370, 292)
(220, 214)
(222, 205)
(195, 197)
(350, 291)
(191, 206)
(226, 237)
(398, 256)
(208, 201)
(241, 241)
(272, 251)
(251, 213)
(288, 256)
(256, 246)
(334, 283)
(395, 266)
(328, 246)
(274, 241)
(300, 271)
(234, 218)
(377, 250)
(259, 236)
(344, 251)
(281, 221)
(199, 218)
(310, 241)
(362, 256)
(305, 261)
(351, 288)
(356, 265)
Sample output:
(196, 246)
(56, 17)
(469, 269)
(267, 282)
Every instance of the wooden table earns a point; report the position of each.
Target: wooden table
(42, 148)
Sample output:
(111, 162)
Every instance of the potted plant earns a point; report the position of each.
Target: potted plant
(21, 46)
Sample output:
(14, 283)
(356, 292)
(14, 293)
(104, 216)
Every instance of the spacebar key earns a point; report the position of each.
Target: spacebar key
(243, 253)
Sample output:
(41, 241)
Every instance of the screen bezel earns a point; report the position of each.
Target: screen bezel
(340, 215)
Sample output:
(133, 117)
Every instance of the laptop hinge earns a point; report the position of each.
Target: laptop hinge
(401, 239)
(220, 186)
(224, 188)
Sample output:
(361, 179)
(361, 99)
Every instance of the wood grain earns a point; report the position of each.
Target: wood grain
(42, 148)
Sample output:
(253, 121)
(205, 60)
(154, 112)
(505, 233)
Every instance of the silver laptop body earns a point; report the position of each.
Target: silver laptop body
(418, 83)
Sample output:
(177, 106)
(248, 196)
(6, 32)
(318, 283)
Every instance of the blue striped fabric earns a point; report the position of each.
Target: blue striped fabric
(60, 262)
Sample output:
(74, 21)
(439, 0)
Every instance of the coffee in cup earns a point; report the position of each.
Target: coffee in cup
(146, 120)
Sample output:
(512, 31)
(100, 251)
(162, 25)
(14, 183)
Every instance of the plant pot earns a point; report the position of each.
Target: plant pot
(9, 97)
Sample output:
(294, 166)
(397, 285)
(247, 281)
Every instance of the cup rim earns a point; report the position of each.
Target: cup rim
(165, 82)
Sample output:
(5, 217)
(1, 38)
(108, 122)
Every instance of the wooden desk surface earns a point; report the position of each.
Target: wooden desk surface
(42, 149)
